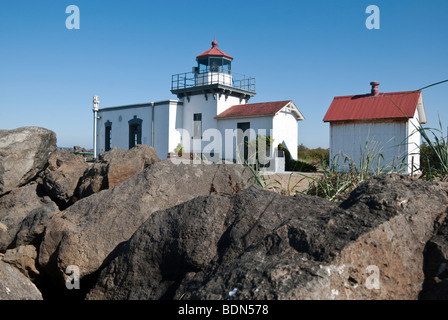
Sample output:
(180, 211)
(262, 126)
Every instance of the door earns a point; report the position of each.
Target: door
(243, 140)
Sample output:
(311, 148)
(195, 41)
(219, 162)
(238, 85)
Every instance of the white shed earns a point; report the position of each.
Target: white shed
(278, 120)
(377, 124)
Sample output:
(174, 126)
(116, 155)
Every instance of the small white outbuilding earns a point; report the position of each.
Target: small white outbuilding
(370, 125)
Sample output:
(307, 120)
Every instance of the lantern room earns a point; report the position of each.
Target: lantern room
(214, 60)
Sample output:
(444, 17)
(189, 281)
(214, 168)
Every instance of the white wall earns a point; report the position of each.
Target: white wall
(414, 143)
(167, 115)
(230, 144)
(389, 139)
(285, 131)
(210, 108)
(120, 127)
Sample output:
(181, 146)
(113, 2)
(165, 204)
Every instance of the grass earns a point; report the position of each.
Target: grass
(433, 154)
(345, 175)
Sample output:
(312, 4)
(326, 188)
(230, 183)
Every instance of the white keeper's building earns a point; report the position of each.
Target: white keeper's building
(211, 105)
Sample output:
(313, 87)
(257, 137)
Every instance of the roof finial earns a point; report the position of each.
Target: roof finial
(214, 42)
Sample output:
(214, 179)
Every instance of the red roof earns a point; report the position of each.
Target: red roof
(253, 109)
(367, 107)
(214, 51)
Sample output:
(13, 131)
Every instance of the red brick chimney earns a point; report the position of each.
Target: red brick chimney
(375, 89)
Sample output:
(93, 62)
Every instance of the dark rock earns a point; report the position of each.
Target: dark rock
(24, 153)
(258, 244)
(15, 207)
(435, 265)
(32, 228)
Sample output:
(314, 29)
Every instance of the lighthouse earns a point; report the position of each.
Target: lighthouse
(212, 101)
(209, 89)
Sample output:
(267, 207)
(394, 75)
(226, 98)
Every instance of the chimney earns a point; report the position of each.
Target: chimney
(375, 89)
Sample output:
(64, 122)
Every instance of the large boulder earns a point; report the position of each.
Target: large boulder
(114, 166)
(16, 286)
(87, 232)
(24, 153)
(15, 207)
(258, 244)
(62, 175)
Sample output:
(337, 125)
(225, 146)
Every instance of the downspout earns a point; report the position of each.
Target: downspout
(96, 103)
(152, 125)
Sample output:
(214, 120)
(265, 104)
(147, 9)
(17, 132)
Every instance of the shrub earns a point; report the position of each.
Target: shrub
(317, 157)
(295, 165)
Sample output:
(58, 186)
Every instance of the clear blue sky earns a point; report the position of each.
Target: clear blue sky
(126, 51)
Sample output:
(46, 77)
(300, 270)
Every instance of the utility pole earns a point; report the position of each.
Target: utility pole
(96, 103)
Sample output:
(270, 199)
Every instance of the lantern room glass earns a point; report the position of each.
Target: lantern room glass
(214, 64)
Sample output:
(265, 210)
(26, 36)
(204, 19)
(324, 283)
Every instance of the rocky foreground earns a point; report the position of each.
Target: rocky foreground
(131, 226)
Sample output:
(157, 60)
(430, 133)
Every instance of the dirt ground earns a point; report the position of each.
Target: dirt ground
(290, 182)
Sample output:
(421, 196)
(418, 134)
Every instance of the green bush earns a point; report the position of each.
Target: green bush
(318, 157)
(295, 165)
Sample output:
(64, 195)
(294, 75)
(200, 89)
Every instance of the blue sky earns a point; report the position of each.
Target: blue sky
(126, 51)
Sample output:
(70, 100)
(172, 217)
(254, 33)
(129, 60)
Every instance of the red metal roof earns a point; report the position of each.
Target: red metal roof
(214, 51)
(368, 107)
(253, 109)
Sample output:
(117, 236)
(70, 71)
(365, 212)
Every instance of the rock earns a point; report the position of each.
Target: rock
(79, 149)
(16, 205)
(180, 242)
(3, 228)
(260, 245)
(435, 286)
(24, 153)
(32, 228)
(114, 166)
(16, 286)
(87, 232)
(23, 258)
(62, 175)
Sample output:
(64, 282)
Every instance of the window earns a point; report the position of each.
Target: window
(135, 132)
(197, 126)
(108, 135)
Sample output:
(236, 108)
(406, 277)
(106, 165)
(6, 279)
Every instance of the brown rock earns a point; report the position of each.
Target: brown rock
(23, 258)
(115, 166)
(62, 175)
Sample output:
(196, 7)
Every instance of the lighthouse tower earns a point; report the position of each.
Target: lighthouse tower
(208, 90)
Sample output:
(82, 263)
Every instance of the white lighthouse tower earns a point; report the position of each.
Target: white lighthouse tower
(210, 89)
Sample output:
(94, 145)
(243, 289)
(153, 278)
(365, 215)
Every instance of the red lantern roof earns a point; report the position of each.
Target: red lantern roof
(214, 51)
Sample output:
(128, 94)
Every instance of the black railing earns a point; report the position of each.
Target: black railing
(193, 79)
